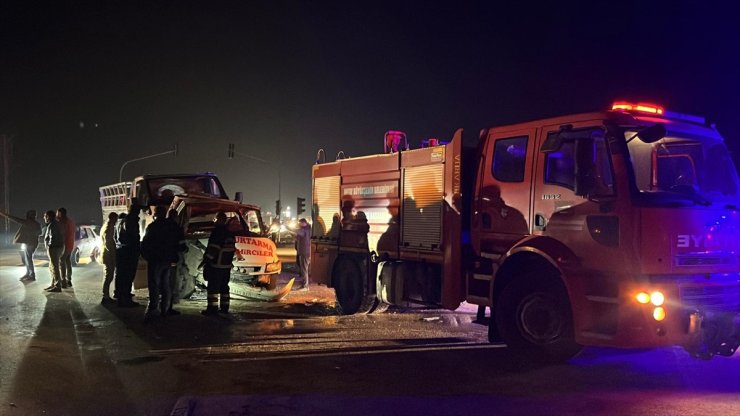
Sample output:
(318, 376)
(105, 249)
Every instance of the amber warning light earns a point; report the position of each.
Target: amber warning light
(639, 107)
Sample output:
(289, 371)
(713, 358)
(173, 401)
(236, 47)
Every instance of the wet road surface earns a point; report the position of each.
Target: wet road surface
(65, 354)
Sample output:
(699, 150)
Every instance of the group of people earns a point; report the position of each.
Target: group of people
(122, 246)
(120, 254)
(59, 237)
(161, 246)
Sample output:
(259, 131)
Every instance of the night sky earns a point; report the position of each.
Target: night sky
(85, 88)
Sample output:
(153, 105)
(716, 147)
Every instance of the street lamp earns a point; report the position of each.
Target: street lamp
(120, 171)
(232, 152)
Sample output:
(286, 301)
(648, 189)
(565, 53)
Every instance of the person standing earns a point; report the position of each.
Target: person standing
(175, 281)
(217, 265)
(159, 248)
(107, 235)
(303, 250)
(28, 237)
(127, 255)
(69, 245)
(54, 239)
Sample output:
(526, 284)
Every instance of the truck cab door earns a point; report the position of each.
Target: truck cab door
(501, 205)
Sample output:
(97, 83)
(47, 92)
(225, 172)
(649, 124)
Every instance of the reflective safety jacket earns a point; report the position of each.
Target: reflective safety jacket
(221, 246)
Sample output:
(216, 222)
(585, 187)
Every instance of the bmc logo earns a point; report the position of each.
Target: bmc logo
(688, 240)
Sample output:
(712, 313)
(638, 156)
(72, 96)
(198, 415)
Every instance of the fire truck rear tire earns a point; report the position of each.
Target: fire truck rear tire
(350, 288)
(534, 318)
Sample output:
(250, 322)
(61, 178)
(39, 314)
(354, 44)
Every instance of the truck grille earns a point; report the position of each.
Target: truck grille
(711, 298)
(704, 260)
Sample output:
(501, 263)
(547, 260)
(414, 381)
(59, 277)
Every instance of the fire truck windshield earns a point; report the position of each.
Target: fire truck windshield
(694, 168)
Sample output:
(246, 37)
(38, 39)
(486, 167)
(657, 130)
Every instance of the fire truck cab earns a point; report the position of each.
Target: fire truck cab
(612, 228)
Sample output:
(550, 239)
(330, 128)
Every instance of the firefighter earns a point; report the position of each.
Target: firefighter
(216, 266)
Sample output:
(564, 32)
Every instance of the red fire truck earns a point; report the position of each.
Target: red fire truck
(614, 228)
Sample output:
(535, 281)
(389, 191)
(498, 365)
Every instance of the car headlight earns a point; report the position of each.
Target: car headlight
(23, 246)
(273, 267)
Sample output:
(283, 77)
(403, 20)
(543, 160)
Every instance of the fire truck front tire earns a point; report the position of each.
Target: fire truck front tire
(350, 288)
(533, 316)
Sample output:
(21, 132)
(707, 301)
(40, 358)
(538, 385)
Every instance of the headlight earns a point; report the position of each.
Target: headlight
(23, 246)
(657, 298)
(642, 297)
(273, 267)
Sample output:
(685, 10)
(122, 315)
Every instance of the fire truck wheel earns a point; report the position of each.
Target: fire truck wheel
(350, 288)
(533, 317)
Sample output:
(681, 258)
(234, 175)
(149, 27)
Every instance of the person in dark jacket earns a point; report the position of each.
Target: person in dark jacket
(175, 281)
(159, 248)
(127, 255)
(28, 237)
(108, 237)
(54, 239)
(217, 265)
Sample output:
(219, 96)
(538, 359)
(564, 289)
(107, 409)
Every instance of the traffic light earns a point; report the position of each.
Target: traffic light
(300, 206)
(277, 208)
(231, 150)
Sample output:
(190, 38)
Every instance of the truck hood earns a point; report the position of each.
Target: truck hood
(252, 250)
(690, 240)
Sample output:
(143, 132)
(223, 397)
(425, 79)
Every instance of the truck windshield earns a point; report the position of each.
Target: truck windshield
(692, 168)
(192, 185)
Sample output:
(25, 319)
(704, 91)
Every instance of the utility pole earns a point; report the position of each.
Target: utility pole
(6, 182)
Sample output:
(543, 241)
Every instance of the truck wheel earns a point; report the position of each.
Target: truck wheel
(350, 288)
(75, 257)
(533, 317)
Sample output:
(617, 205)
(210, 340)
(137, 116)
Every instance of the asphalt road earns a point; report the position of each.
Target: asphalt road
(65, 354)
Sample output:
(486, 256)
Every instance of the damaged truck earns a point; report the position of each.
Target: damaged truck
(197, 198)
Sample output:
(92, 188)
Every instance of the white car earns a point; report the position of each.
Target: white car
(87, 245)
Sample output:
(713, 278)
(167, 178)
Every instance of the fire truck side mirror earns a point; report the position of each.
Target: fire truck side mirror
(652, 134)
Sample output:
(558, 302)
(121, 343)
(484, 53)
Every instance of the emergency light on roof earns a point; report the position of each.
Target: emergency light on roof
(639, 107)
(393, 141)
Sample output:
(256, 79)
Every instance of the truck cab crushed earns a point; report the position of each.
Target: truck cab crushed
(256, 264)
(614, 228)
(197, 197)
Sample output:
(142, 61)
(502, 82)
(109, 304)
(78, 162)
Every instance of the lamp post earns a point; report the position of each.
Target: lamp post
(120, 171)
(232, 152)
